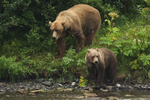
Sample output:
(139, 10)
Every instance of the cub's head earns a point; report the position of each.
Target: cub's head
(93, 55)
(57, 29)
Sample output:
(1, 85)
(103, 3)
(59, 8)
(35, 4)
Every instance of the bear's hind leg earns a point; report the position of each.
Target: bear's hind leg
(80, 42)
(112, 74)
(78, 33)
(88, 38)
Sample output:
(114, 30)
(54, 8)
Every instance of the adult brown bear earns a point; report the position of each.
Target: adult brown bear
(100, 63)
(80, 21)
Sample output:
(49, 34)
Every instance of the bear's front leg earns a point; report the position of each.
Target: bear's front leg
(61, 47)
(100, 77)
(92, 72)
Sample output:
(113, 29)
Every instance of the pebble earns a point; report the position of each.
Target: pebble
(48, 83)
(40, 80)
(73, 83)
(109, 88)
(118, 85)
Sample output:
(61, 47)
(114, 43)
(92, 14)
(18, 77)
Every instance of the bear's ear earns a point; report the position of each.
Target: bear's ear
(63, 22)
(97, 49)
(88, 50)
(50, 23)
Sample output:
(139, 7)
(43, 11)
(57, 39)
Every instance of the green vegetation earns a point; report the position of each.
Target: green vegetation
(27, 50)
(82, 81)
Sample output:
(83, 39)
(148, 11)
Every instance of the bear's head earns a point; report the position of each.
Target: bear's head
(57, 29)
(93, 55)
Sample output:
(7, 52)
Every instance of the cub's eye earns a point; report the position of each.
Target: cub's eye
(97, 56)
(56, 30)
(92, 57)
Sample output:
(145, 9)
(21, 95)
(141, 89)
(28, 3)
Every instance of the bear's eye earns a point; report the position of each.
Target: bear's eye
(97, 56)
(92, 57)
(56, 30)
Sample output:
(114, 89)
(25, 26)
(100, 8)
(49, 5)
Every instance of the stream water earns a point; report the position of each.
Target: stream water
(75, 95)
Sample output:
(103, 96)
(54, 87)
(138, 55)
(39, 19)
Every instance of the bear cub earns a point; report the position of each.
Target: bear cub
(100, 63)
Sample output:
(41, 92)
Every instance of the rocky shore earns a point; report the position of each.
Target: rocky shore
(40, 85)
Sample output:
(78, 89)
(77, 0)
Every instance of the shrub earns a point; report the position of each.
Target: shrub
(130, 47)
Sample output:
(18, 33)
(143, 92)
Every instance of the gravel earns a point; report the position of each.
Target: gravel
(40, 85)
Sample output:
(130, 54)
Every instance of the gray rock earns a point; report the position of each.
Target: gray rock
(143, 87)
(138, 86)
(103, 90)
(131, 88)
(60, 85)
(2, 90)
(40, 80)
(73, 84)
(118, 85)
(76, 88)
(112, 98)
(63, 82)
(47, 83)
(76, 80)
(84, 88)
(109, 88)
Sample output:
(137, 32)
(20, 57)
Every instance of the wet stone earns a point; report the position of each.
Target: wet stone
(112, 98)
(60, 85)
(2, 90)
(75, 88)
(73, 84)
(40, 80)
(90, 95)
(127, 95)
(21, 91)
(21, 86)
(37, 91)
(84, 88)
(79, 97)
(69, 89)
(131, 88)
(109, 88)
(56, 85)
(63, 82)
(48, 83)
(103, 90)
(59, 89)
(118, 85)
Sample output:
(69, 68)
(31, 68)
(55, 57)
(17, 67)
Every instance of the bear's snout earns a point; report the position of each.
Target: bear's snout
(55, 35)
(54, 38)
(96, 62)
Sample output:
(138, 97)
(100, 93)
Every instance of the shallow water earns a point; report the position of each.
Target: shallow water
(96, 95)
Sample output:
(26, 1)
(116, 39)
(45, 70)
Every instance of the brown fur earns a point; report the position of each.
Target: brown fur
(80, 21)
(101, 62)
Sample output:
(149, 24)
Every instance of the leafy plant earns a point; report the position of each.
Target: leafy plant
(82, 81)
(11, 69)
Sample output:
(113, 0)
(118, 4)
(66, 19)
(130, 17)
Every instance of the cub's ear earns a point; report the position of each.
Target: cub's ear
(63, 22)
(97, 49)
(88, 50)
(50, 23)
